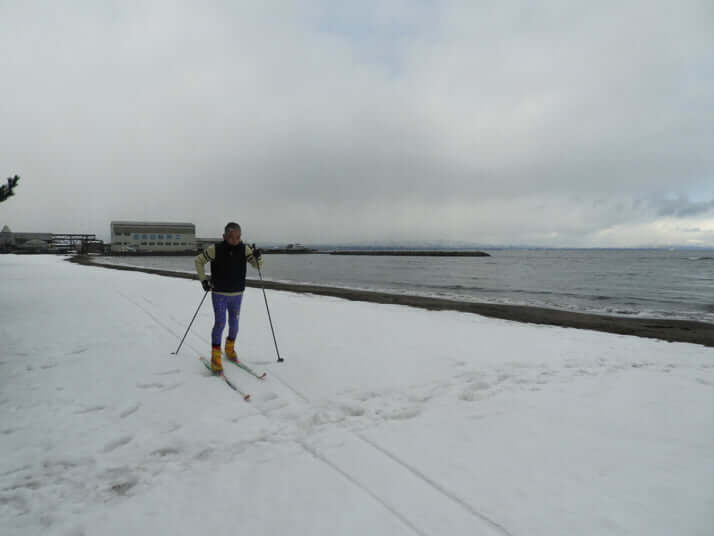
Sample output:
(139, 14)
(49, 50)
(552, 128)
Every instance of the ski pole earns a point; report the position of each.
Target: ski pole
(280, 359)
(189, 326)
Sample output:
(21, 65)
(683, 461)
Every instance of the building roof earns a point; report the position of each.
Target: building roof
(31, 236)
(151, 227)
(153, 223)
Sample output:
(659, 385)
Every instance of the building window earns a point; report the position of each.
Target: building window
(143, 237)
(153, 237)
(136, 236)
(152, 243)
(143, 243)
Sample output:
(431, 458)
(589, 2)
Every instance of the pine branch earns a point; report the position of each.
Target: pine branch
(6, 191)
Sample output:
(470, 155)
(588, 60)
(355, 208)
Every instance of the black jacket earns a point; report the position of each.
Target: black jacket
(228, 268)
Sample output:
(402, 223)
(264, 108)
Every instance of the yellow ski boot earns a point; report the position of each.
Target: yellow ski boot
(216, 365)
(231, 354)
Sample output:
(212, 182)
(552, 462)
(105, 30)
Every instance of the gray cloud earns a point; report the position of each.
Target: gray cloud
(682, 207)
(484, 122)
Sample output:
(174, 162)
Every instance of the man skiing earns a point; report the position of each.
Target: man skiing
(228, 268)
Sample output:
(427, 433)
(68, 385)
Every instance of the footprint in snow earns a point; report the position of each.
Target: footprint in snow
(364, 397)
(121, 488)
(354, 411)
(16, 500)
(113, 445)
(18, 470)
(166, 451)
(27, 484)
(150, 385)
(91, 409)
(474, 392)
(402, 414)
(166, 372)
(129, 411)
(122, 479)
(204, 454)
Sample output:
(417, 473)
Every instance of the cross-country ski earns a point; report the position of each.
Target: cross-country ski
(247, 369)
(222, 375)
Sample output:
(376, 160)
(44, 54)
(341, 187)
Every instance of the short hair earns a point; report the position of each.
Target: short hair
(232, 226)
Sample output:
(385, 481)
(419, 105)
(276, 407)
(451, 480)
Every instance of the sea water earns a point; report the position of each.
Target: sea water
(645, 283)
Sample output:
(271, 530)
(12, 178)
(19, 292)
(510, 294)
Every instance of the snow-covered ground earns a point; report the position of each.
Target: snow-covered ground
(383, 420)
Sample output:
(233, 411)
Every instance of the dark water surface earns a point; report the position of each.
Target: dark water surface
(647, 283)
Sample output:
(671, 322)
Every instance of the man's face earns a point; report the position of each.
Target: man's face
(232, 237)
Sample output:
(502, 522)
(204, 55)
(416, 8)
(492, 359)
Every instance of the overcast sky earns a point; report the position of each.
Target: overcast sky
(553, 123)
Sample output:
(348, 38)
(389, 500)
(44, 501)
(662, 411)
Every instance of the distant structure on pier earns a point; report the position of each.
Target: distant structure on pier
(62, 244)
(152, 238)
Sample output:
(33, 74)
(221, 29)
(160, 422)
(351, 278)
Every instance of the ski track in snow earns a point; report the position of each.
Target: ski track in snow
(130, 411)
(266, 412)
(319, 418)
(312, 451)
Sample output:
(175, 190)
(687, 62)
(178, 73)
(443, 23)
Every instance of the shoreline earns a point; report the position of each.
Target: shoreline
(409, 253)
(663, 329)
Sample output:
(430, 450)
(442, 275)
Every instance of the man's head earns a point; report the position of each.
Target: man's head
(232, 233)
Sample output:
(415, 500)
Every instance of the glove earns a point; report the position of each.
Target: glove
(256, 252)
(206, 284)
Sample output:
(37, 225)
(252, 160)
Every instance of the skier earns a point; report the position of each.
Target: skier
(228, 267)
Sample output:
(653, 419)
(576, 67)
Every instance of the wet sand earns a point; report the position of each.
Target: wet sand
(654, 328)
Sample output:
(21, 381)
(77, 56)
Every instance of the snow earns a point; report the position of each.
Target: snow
(383, 420)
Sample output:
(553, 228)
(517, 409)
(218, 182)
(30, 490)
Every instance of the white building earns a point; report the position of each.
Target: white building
(152, 237)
